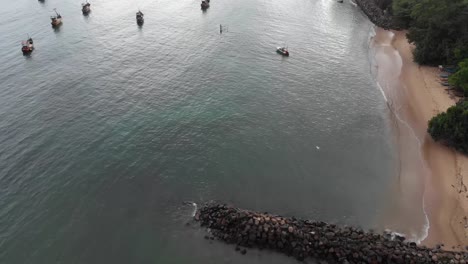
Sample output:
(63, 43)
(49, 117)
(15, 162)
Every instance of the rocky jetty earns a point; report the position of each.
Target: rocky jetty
(307, 239)
(375, 14)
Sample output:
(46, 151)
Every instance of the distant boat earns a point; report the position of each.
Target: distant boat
(27, 46)
(86, 8)
(139, 18)
(283, 51)
(205, 5)
(57, 19)
(444, 75)
(340, 1)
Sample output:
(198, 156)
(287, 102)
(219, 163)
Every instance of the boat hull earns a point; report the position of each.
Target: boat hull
(27, 50)
(284, 53)
(56, 22)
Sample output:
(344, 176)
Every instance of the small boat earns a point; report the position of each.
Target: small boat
(205, 5)
(444, 75)
(340, 1)
(56, 20)
(283, 51)
(139, 18)
(451, 69)
(27, 46)
(86, 8)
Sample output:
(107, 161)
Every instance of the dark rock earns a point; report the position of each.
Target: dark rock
(302, 239)
(375, 14)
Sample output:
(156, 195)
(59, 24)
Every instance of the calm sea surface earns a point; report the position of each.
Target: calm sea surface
(107, 128)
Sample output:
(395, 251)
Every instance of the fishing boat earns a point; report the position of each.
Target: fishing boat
(205, 5)
(86, 8)
(57, 19)
(27, 46)
(283, 51)
(139, 18)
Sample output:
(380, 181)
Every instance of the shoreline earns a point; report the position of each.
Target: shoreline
(431, 175)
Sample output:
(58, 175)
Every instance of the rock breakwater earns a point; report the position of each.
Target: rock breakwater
(375, 14)
(303, 238)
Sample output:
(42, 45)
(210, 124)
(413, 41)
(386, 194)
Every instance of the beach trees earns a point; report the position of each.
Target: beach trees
(438, 28)
(460, 78)
(402, 12)
(451, 127)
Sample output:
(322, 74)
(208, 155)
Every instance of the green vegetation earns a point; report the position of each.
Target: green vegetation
(460, 78)
(438, 28)
(451, 127)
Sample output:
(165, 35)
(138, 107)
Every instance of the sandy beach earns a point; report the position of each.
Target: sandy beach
(431, 186)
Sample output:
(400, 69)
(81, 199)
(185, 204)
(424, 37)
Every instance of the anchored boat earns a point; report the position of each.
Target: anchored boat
(86, 8)
(27, 46)
(139, 18)
(57, 19)
(205, 5)
(283, 51)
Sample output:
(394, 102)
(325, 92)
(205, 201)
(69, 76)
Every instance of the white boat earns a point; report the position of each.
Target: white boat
(56, 20)
(283, 51)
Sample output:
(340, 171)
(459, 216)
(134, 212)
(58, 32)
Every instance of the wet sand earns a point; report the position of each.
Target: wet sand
(431, 198)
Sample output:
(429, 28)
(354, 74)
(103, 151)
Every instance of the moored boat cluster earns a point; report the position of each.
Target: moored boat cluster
(303, 238)
(56, 21)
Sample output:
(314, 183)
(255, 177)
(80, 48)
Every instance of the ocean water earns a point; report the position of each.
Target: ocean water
(108, 128)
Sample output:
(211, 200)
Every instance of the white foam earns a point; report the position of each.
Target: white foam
(382, 91)
(426, 225)
(195, 207)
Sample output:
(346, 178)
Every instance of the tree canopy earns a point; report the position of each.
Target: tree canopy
(451, 127)
(438, 28)
(460, 78)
